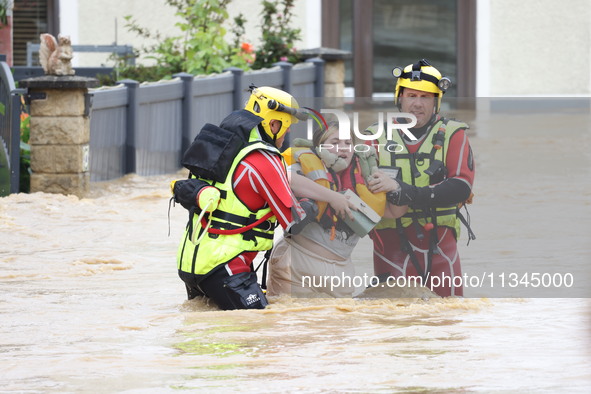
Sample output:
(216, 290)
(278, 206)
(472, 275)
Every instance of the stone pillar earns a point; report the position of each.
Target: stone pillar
(60, 133)
(334, 68)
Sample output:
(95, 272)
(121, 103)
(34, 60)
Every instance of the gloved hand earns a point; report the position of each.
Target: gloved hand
(187, 192)
(368, 161)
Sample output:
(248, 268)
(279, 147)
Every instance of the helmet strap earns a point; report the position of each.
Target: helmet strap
(263, 133)
(398, 101)
(278, 131)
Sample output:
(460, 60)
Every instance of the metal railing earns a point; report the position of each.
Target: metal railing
(125, 51)
(145, 128)
(9, 131)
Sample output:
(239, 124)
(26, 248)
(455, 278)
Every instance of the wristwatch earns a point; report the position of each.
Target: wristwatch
(394, 195)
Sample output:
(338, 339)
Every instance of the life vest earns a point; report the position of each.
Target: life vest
(423, 168)
(314, 169)
(232, 215)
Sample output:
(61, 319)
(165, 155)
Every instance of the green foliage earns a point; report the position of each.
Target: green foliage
(138, 73)
(238, 30)
(25, 154)
(3, 12)
(245, 49)
(278, 37)
(203, 49)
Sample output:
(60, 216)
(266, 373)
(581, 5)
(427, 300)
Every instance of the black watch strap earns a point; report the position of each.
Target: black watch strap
(393, 197)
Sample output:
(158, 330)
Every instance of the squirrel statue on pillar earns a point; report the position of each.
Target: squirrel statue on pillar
(55, 56)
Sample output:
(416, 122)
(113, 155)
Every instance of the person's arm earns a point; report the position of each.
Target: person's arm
(304, 187)
(381, 182)
(260, 179)
(395, 211)
(454, 189)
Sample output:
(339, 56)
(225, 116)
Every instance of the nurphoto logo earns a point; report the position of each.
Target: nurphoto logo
(345, 125)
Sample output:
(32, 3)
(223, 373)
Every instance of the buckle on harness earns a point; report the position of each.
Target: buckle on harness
(269, 225)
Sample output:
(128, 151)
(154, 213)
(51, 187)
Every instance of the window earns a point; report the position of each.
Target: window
(405, 32)
(383, 34)
(346, 37)
(30, 19)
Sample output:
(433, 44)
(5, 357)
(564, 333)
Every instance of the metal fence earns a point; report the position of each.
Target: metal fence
(124, 51)
(22, 72)
(145, 128)
(9, 131)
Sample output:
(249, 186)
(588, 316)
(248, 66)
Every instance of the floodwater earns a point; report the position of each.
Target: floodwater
(90, 300)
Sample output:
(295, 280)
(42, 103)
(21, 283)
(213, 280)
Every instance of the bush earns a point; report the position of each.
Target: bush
(203, 49)
(277, 36)
(25, 153)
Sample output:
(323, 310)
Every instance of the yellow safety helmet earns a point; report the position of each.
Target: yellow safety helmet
(421, 76)
(271, 103)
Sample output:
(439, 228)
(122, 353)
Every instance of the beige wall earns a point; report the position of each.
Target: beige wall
(96, 22)
(528, 47)
(102, 23)
(539, 47)
(303, 10)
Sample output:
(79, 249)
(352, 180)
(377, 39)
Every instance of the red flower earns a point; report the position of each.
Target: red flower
(247, 47)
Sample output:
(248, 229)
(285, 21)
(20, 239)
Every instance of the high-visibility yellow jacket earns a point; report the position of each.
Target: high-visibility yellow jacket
(414, 169)
(231, 214)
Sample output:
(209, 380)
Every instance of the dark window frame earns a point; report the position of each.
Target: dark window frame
(51, 21)
(363, 45)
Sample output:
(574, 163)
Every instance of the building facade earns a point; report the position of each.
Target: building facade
(488, 47)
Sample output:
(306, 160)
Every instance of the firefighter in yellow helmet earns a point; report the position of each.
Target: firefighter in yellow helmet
(278, 109)
(226, 230)
(432, 174)
(421, 76)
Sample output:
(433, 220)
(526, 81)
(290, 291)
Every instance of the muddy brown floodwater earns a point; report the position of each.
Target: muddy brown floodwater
(90, 300)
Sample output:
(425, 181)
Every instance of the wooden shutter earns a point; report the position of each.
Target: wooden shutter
(30, 19)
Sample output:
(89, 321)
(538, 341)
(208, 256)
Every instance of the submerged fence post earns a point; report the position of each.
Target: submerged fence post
(15, 140)
(334, 69)
(319, 84)
(187, 118)
(238, 73)
(286, 68)
(132, 124)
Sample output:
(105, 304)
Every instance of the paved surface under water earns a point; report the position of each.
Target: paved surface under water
(90, 300)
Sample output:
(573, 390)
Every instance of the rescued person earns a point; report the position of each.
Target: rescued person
(301, 262)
